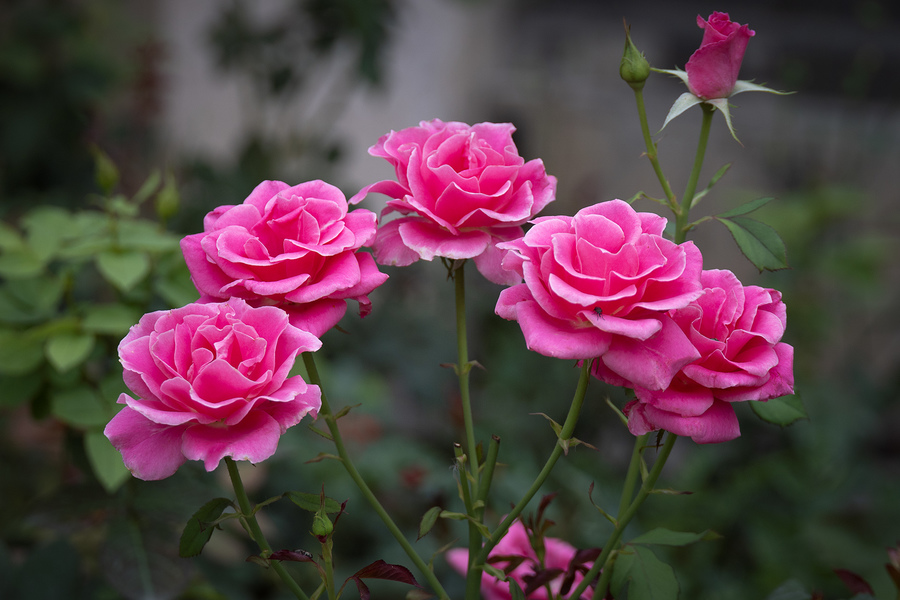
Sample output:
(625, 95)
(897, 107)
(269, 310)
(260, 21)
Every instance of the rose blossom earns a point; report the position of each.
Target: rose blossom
(211, 380)
(713, 69)
(599, 284)
(460, 189)
(294, 246)
(558, 554)
(737, 330)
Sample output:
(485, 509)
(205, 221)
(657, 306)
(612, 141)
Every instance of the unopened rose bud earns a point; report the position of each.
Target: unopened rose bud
(634, 68)
(322, 525)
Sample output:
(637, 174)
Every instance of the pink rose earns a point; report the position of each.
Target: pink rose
(737, 331)
(713, 69)
(461, 189)
(293, 246)
(558, 555)
(600, 284)
(211, 381)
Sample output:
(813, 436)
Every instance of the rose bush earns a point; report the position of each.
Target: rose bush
(296, 246)
(210, 380)
(461, 189)
(516, 546)
(600, 284)
(737, 330)
(713, 68)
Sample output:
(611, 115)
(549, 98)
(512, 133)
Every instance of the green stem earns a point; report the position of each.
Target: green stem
(622, 521)
(565, 436)
(248, 519)
(463, 368)
(634, 468)
(681, 215)
(325, 412)
(469, 483)
(652, 153)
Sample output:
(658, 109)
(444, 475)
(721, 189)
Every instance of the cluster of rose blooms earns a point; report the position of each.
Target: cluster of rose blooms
(211, 379)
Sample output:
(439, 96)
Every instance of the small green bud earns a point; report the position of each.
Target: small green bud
(167, 200)
(634, 68)
(322, 525)
(105, 172)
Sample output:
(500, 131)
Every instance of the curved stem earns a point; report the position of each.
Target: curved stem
(565, 436)
(622, 521)
(681, 216)
(325, 412)
(248, 519)
(652, 151)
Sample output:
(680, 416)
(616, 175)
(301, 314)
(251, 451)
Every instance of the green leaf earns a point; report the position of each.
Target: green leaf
(81, 407)
(124, 270)
(146, 235)
(105, 461)
(760, 243)
(20, 262)
(428, 521)
(666, 537)
(789, 590)
(746, 208)
(18, 389)
(105, 172)
(647, 577)
(150, 185)
(19, 353)
(200, 527)
(30, 300)
(9, 237)
(110, 319)
(713, 181)
(67, 350)
(312, 502)
(47, 228)
(780, 411)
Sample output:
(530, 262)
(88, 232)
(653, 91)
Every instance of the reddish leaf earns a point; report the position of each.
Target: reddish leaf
(381, 570)
(579, 563)
(512, 561)
(539, 579)
(854, 583)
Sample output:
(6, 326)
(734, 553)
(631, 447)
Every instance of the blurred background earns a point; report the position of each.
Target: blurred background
(123, 123)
